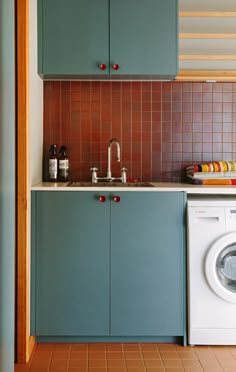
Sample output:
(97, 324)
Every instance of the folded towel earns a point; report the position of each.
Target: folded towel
(216, 173)
(213, 181)
(219, 166)
(212, 175)
(219, 182)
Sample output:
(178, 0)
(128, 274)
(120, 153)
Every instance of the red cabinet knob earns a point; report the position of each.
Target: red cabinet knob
(102, 198)
(116, 199)
(115, 66)
(102, 66)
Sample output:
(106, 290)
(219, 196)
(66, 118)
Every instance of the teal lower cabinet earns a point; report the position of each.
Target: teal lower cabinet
(72, 268)
(109, 269)
(147, 272)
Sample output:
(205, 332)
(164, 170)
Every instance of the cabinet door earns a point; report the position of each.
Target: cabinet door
(144, 36)
(73, 36)
(147, 253)
(72, 264)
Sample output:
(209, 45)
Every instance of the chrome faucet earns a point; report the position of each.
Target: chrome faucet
(109, 177)
(113, 140)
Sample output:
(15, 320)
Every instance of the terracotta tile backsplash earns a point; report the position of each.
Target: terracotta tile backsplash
(161, 126)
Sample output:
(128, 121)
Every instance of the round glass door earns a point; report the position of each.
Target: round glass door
(220, 267)
(226, 267)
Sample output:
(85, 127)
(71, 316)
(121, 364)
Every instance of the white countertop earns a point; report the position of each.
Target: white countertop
(158, 186)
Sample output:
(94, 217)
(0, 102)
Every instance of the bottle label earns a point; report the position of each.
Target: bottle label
(63, 164)
(53, 168)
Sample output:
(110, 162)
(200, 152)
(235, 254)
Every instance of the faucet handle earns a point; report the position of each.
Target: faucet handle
(123, 174)
(94, 169)
(94, 174)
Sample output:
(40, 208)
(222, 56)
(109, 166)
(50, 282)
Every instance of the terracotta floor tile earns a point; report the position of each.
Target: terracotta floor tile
(78, 363)
(211, 365)
(204, 355)
(79, 347)
(151, 363)
(42, 364)
(134, 363)
(233, 352)
(39, 369)
(227, 362)
(231, 347)
(218, 347)
(209, 362)
(151, 355)
(222, 353)
(62, 345)
(116, 363)
(97, 347)
(61, 354)
(48, 346)
(133, 355)
(118, 357)
(169, 355)
(115, 355)
(166, 347)
(187, 355)
(201, 349)
(92, 363)
(59, 364)
(78, 354)
(213, 369)
(149, 347)
(183, 348)
(189, 363)
(114, 347)
(97, 369)
(171, 363)
(97, 355)
(131, 347)
(42, 357)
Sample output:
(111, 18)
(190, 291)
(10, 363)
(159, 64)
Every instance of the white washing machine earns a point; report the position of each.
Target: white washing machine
(211, 265)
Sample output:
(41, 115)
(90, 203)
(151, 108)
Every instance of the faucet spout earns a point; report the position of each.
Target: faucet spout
(113, 140)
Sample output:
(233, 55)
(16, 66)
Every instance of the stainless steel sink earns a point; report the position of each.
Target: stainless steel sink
(109, 184)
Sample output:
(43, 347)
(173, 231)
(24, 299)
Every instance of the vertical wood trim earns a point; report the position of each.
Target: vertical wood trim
(24, 343)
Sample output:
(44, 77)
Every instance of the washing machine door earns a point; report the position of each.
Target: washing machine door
(220, 267)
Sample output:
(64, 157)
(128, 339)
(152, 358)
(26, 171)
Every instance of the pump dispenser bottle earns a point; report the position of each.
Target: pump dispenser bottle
(53, 163)
(63, 165)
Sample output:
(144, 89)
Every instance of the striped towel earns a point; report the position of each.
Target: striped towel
(219, 166)
(216, 173)
(213, 181)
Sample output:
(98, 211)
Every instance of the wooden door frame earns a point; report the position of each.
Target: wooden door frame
(24, 343)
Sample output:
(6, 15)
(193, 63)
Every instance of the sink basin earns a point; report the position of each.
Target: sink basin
(109, 184)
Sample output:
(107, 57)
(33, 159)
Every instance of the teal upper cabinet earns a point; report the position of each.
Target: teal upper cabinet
(143, 37)
(126, 39)
(73, 37)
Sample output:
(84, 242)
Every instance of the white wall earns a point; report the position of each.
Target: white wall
(35, 102)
